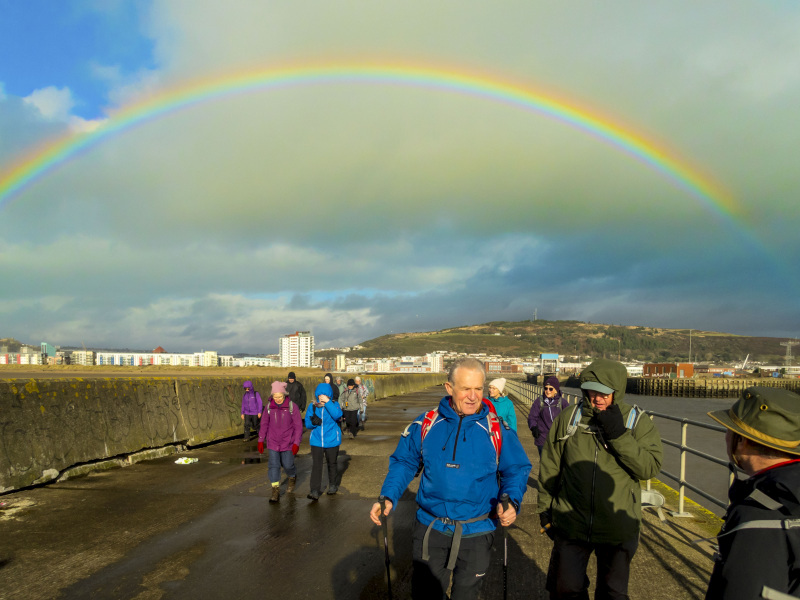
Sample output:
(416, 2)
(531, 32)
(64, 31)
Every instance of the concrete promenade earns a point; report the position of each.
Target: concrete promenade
(157, 530)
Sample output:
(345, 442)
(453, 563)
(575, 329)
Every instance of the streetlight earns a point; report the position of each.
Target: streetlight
(690, 346)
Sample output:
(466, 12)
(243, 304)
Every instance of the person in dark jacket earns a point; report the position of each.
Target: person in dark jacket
(544, 411)
(334, 388)
(322, 418)
(463, 477)
(251, 409)
(281, 430)
(350, 401)
(296, 391)
(589, 491)
(759, 544)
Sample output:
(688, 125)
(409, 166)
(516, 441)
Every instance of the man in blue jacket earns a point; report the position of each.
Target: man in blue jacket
(464, 474)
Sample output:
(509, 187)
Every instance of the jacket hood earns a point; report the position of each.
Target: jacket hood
(247, 384)
(323, 389)
(609, 373)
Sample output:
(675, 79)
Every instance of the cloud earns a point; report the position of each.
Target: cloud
(354, 209)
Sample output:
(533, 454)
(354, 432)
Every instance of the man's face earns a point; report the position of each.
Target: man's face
(466, 391)
(291, 379)
(600, 400)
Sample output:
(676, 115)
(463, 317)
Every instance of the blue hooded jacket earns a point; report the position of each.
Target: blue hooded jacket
(329, 434)
(462, 478)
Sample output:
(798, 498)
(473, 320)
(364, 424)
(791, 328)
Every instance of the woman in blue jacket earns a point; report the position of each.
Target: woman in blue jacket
(326, 436)
(503, 405)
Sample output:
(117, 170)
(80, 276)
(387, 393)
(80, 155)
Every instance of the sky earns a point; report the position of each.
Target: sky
(230, 172)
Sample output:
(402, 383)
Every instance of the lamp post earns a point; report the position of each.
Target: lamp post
(690, 346)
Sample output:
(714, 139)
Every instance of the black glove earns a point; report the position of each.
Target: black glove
(316, 421)
(611, 422)
(535, 431)
(547, 524)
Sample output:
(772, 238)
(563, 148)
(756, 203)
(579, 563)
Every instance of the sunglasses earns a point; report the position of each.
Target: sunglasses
(550, 388)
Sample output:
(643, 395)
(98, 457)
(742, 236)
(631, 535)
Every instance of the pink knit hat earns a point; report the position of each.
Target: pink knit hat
(279, 387)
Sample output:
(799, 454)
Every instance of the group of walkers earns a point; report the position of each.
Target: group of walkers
(592, 456)
(280, 426)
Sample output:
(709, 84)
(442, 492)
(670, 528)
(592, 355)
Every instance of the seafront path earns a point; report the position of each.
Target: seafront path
(161, 530)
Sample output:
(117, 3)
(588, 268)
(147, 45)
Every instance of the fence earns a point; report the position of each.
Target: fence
(527, 393)
(705, 388)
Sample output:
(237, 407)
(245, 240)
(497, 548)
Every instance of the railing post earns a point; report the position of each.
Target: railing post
(682, 475)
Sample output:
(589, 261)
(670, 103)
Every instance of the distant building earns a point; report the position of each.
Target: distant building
(327, 365)
(549, 363)
(82, 357)
(672, 370)
(436, 362)
(296, 349)
(341, 363)
(494, 367)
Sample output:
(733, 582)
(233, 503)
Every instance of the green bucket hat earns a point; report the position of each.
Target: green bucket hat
(767, 416)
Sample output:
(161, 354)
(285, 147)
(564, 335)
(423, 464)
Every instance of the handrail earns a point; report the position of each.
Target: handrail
(527, 393)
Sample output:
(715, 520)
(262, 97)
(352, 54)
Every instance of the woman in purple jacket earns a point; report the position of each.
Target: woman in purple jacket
(544, 411)
(282, 428)
(251, 409)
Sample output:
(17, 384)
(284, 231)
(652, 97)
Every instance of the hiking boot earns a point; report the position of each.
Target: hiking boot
(332, 490)
(292, 482)
(276, 494)
(313, 495)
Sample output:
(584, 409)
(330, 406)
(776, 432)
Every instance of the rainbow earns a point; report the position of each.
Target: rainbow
(44, 160)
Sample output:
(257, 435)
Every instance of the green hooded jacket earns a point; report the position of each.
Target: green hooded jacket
(589, 484)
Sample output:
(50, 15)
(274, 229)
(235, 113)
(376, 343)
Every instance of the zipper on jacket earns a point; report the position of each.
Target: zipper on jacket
(455, 444)
(591, 505)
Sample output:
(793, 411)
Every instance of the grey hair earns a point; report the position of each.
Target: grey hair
(467, 362)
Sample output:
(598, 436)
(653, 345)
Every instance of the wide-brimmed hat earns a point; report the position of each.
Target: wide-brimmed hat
(767, 416)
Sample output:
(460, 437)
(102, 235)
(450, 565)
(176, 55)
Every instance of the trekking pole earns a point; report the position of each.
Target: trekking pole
(504, 501)
(384, 523)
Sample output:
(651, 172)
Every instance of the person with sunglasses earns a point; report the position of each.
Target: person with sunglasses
(544, 411)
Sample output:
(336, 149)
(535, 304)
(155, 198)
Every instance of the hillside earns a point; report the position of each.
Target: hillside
(576, 338)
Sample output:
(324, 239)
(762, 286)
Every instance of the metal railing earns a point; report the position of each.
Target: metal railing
(527, 393)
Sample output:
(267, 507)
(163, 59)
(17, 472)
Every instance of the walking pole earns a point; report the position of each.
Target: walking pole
(504, 501)
(384, 523)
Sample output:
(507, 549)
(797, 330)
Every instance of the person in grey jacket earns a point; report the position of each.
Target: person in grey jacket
(350, 401)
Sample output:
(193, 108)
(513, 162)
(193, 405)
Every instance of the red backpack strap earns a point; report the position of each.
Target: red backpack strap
(495, 434)
(427, 423)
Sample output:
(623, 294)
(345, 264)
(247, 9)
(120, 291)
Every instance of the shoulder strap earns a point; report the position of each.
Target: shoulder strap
(633, 417)
(496, 424)
(574, 421)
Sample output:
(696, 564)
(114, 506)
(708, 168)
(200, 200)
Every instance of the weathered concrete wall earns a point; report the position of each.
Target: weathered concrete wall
(49, 425)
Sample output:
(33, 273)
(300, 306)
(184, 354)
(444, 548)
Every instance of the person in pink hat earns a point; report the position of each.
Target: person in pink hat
(281, 428)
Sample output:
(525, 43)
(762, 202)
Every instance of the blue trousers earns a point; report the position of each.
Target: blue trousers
(278, 459)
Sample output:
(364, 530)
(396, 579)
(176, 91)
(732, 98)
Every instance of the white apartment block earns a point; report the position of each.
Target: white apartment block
(436, 363)
(82, 357)
(296, 349)
(340, 365)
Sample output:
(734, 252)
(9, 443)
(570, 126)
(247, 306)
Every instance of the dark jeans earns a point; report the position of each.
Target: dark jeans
(351, 418)
(330, 454)
(566, 575)
(278, 459)
(431, 579)
(250, 421)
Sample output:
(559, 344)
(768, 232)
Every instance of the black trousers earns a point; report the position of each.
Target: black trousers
(330, 454)
(431, 578)
(250, 421)
(351, 418)
(566, 575)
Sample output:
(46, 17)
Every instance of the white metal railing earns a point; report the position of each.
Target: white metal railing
(527, 393)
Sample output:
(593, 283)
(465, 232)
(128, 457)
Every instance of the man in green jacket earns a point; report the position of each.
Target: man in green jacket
(589, 492)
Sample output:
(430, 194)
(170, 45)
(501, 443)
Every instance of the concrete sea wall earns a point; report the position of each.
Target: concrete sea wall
(50, 425)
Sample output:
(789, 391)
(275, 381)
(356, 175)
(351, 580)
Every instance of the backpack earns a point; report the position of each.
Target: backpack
(577, 412)
(493, 428)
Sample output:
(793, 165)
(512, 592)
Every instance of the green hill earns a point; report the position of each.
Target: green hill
(579, 339)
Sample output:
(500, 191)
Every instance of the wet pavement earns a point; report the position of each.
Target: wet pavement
(160, 530)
